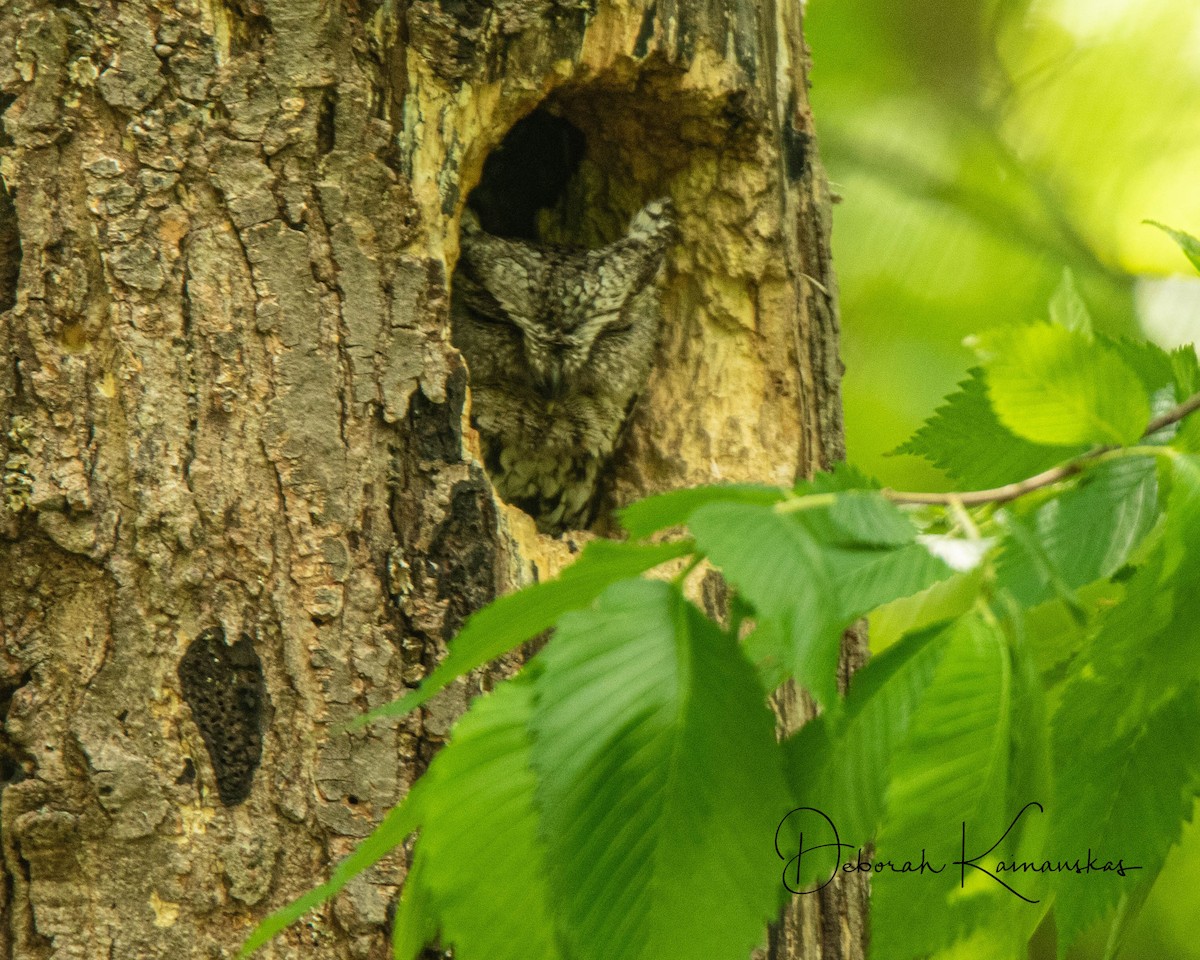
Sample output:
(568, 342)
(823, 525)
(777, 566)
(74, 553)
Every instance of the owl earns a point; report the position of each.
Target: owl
(558, 343)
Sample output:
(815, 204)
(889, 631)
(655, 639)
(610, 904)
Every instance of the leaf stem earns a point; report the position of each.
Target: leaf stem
(1010, 491)
(964, 519)
(692, 564)
(810, 501)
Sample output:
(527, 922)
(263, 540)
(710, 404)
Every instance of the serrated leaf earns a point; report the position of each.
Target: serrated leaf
(481, 813)
(1148, 360)
(1181, 535)
(843, 476)
(1187, 243)
(1127, 729)
(1134, 662)
(1067, 308)
(840, 763)
(1053, 386)
(806, 589)
(1122, 799)
(508, 622)
(965, 439)
(867, 518)
(945, 600)
(773, 560)
(665, 510)
(951, 770)
(866, 579)
(1084, 534)
(660, 782)
(1185, 366)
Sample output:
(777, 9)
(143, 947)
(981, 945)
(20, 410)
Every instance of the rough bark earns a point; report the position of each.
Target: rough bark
(235, 440)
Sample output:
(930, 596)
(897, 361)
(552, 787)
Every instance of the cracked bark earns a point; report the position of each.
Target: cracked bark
(229, 408)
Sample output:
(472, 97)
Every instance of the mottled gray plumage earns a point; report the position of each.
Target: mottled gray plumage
(558, 343)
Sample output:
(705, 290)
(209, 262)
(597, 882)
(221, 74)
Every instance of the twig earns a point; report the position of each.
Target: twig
(1010, 491)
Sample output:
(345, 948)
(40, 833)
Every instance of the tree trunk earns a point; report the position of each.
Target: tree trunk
(242, 498)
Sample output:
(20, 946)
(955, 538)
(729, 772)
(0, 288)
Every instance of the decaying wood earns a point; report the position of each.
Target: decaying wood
(228, 402)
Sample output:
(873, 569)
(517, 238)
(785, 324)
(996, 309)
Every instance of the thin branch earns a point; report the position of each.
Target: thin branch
(1190, 405)
(1010, 491)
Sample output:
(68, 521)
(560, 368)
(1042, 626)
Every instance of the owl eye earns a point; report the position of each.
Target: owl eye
(612, 323)
(617, 328)
(494, 320)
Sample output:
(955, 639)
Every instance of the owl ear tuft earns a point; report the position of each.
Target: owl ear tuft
(468, 223)
(654, 222)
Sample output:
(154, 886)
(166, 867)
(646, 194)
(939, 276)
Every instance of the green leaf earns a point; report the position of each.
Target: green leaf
(1067, 308)
(1058, 629)
(866, 579)
(805, 588)
(1053, 386)
(843, 476)
(1122, 799)
(1187, 243)
(415, 924)
(400, 821)
(1127, 729)
(1149, 361)
(945, 600)
(841, 762)
(773, 560)
(483, 866)
(1085, 533)
(951, 769)
(958, 743)
(966, 440)
(508, 622)
(1032, 757)
(1181, 537)
(660, 782)
(1188, 437)
(666, 510)
(867, 518)
(1128, 907)
(1185, 366)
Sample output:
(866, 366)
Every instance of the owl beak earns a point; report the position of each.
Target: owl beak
(551, 385)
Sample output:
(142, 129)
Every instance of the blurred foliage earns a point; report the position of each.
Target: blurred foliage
(981, 147)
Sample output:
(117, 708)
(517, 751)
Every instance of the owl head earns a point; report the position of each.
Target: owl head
(555, 320)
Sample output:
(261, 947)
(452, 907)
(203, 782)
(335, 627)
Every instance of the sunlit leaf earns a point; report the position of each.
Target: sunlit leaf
(945, 600)
(1067, 308)
(758, 549)
(1187, 243)
(1053, 386)
(966, 440)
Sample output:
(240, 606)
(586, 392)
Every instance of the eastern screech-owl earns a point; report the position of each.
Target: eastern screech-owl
(558, 343)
